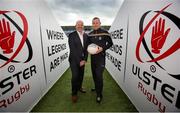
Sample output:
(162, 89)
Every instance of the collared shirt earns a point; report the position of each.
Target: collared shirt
(81, 37)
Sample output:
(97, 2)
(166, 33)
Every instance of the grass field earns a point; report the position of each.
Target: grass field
(58, 98)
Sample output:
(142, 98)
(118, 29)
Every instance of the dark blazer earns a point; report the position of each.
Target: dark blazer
(77, 51)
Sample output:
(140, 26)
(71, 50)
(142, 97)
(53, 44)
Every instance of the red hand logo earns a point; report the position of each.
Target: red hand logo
(6, 37)
(158, 36)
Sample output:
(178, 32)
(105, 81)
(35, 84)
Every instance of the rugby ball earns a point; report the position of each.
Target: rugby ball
(92, 49)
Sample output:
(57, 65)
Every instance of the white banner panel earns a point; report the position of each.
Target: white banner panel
(25, 74)
(152, 76)
(55, 46)
(115, 56)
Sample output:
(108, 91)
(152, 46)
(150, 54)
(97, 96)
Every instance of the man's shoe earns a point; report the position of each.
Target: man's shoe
(93, 89)
(82, 90)
(98, 99)
(74, 98)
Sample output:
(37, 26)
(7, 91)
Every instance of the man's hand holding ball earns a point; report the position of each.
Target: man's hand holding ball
(94, 49)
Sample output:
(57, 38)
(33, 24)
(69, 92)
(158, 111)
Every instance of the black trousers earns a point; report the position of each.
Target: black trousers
(97, 67)
(77, 77)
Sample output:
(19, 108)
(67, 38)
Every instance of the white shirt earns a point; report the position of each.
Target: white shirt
(81, 37)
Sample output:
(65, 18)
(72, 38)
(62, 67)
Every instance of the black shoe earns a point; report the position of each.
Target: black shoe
(82, 90)
(98, 99)
(93, 89)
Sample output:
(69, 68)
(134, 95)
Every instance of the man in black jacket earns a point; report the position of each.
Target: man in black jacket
(101, 38)
(78, 42)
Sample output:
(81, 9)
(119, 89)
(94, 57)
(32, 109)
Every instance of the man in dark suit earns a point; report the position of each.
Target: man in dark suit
(78, 41)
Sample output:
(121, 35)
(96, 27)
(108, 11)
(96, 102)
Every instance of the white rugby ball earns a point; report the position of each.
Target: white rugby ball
(92, 49)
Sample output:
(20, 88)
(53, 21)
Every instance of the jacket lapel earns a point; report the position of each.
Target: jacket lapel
(84, 39)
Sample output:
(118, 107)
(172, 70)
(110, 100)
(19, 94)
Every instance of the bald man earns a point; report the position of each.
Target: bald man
(78, 41)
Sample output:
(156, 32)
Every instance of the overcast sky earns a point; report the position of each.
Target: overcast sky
(68, 11)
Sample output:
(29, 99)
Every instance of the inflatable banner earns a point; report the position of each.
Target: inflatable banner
(144, 59)
(33, 53)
